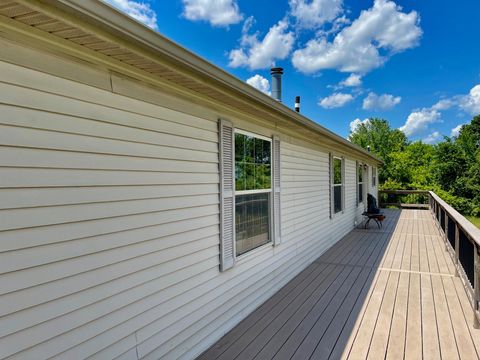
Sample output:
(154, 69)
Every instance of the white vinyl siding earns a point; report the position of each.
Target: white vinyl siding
(110, 212)
(110, 219)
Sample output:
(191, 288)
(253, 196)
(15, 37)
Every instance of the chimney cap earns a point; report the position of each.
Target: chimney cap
(276, 70)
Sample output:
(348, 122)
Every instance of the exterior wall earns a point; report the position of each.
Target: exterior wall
(109, 218)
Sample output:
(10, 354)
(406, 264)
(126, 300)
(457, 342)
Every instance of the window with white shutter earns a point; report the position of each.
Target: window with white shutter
(250, 192)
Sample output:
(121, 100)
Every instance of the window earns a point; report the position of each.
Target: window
(374, 176)
(337, 184)
(253, 188)
(360, 183)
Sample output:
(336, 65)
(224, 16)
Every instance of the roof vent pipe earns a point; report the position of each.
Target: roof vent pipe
(277, 73)
(297, 104)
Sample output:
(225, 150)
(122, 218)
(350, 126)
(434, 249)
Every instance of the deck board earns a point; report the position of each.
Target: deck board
(388, 293)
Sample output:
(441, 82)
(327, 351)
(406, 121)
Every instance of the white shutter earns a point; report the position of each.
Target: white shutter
(330, 183)
(227, 195)
(343, 184)
(277, 226)
(356, 183)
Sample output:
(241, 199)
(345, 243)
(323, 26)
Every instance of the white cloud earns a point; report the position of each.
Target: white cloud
(419, 120)
(260, 83)
(357, 122)
(471, 103)
(216, 12)
(378, 32)
(444, 104)
(139, 10)
(260, 54)
(335, 100)
(456, 130)
(352, 81)
(380, 102)
(313, 14)
(433, 138)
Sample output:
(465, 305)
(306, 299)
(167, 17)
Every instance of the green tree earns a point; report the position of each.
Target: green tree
(382, 140)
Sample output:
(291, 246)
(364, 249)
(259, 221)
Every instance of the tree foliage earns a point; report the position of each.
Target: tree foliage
(451, 168)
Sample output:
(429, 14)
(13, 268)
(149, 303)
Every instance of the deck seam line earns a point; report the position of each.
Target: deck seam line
(414, 272)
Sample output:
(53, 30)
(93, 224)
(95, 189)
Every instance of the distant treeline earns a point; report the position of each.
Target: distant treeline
(451, 167)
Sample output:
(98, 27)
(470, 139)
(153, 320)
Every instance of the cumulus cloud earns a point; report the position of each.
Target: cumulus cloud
(260, 83)
(419, 120)
(352, 81)
(366, 44)
(315, 13)
(139, 10)
(433, 138)
(456, 130)
(356, 123)
(471, 103)
(380, 102)
(443, 104)
(335, 100)
(216, 12)
(259, 54)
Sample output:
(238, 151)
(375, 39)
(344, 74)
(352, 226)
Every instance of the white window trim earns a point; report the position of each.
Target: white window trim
(270, 242)
(342, 165)
(249, 133)
(362, 171)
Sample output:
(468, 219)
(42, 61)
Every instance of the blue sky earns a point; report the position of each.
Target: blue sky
(414, 63)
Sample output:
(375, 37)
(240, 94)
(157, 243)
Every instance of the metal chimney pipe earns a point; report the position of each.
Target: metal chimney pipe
(277, 73)
(297, 103)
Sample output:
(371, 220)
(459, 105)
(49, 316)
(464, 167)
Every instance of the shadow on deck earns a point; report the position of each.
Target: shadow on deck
(378, 293)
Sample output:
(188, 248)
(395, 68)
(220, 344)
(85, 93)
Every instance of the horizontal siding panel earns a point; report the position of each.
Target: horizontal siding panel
(23, 238)
(40, 255)
(35, 197)
(165, 133)
(26, 177)
(55, 336)
(32, 217)
(44, 158)
(160, 279)
(17, 280)
(44, 139)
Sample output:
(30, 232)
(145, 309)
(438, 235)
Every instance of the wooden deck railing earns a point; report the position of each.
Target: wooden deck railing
(462, 240)
(412, 199)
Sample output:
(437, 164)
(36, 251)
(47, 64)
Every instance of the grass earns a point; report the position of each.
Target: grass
(474, 220)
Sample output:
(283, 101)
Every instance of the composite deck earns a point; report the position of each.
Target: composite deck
(387, 293)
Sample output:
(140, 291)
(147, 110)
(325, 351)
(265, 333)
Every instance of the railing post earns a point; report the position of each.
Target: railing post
(457, 249)
(445, 234)
(476, 287)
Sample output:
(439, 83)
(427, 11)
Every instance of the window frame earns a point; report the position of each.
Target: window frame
(360, 172)
(374, 176)
(341, 184)
(269, 191)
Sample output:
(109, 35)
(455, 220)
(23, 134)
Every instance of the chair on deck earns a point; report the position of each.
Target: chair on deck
(373, 212)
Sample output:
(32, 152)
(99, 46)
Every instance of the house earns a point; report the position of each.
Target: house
(149, 200)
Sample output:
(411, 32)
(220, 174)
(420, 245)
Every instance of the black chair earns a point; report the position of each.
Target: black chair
(373, 212)
(372, 207)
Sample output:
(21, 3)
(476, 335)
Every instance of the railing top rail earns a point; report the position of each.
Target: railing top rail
(403, 192)
(472, 231)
